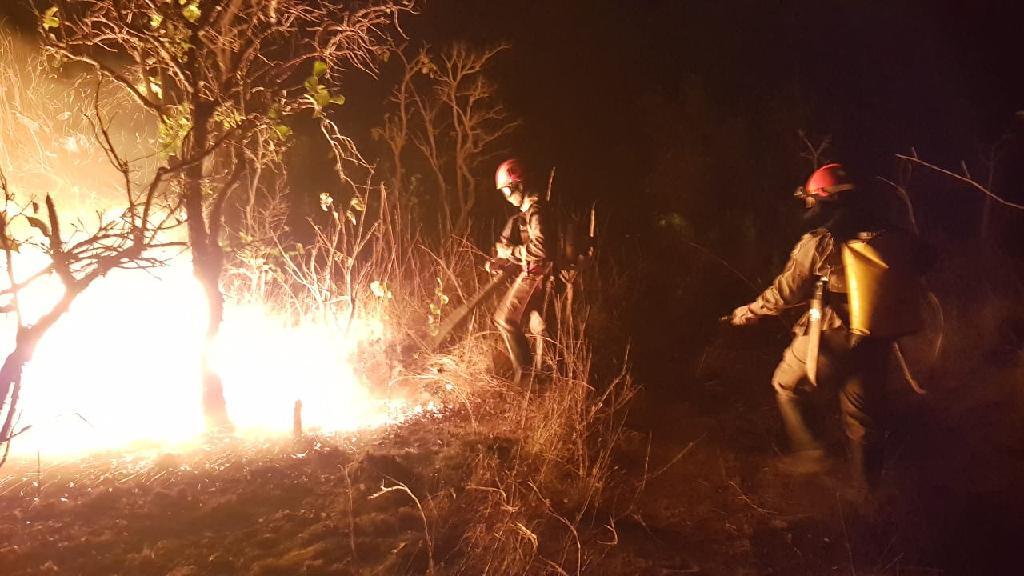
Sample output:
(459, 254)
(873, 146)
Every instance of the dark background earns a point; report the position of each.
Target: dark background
(593, 80)
(682, 118)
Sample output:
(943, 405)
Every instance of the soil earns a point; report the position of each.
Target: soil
(715, 499)
(951, 500)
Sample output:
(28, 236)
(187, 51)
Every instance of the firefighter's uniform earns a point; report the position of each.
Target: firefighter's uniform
(856, 366)
(522, 306)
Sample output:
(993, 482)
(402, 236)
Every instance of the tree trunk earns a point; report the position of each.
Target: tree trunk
(10, 383)
(24, 348)
(207, 265)
(214, 405)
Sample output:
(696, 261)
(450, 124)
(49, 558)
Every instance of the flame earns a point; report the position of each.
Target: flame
(121, 368)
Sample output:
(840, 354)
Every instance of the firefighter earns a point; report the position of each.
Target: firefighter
(524, 247)
(857, 366)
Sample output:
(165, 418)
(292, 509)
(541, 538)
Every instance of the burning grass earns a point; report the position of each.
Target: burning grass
(410, 460)
(504, 480)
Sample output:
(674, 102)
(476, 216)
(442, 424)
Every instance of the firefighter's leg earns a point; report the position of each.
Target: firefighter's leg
(537, 334)
(508, 318)
(863, 403)
(793, 392)
(539, 308)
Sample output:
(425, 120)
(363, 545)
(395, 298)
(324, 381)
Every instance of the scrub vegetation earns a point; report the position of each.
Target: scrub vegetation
(647, 442)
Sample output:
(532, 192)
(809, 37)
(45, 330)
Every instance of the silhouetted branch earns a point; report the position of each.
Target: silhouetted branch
(966, 179)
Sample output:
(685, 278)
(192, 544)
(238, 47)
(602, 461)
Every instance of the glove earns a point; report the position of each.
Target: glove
(497, 265)
(503, 251)
(742, 316)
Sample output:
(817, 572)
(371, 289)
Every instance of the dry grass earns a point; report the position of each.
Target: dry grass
(529, 487)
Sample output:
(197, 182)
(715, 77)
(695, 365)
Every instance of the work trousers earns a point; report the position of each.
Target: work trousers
(856, 367)
(521, 309)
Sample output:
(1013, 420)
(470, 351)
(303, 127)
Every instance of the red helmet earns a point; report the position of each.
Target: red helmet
(827, 181)
(509, 172)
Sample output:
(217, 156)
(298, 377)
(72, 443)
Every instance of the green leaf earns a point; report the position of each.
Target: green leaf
(155, 20)
(357, 204)
(50, 19)
(283, 132)
(191, 12)
(319, 69)
(322, 96)
(339, 100)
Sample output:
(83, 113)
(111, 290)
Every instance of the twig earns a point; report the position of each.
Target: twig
(721, 261)
(846, 536)
(902, 193)
(400, 487)
(905, 369)
(572, 529)
(965, 179)
(750, 502)
(351, 512)
(677, 457)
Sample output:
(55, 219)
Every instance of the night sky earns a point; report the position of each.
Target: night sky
(880, 77)
(688, 112)
(597, 83)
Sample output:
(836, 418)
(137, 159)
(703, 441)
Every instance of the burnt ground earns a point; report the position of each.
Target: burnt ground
(232, 507)
(952, 500)
(714, 502)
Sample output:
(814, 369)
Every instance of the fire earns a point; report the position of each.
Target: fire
(121, 368)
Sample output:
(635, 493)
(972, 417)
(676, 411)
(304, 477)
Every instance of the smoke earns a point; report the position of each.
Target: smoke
(50, 137)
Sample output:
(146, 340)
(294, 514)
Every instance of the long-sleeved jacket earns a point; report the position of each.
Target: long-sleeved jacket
(816, 254)
(526, 234)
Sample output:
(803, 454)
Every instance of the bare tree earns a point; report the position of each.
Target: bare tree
(221, 77)
(965, 177)
(32, 125)
(448, 109)
(815, 152)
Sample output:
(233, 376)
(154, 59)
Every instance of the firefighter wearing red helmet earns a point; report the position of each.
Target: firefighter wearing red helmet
(824, 352)
(523, 245)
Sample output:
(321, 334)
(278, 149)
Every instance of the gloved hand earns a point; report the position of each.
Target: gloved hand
(503, 251)
(497, 265)
(742, 316)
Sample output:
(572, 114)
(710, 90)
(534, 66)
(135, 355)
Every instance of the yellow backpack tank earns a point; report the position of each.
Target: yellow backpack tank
(885, 291)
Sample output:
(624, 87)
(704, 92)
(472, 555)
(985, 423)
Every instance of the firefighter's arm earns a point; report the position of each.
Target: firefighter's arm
(795, 284)
(503, 251)
(533, 250)
(503, 247)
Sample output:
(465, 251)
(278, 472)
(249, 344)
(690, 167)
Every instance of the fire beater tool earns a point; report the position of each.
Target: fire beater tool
(503, 271)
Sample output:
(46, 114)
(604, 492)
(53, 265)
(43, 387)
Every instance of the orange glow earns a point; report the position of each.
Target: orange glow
(121, 369)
